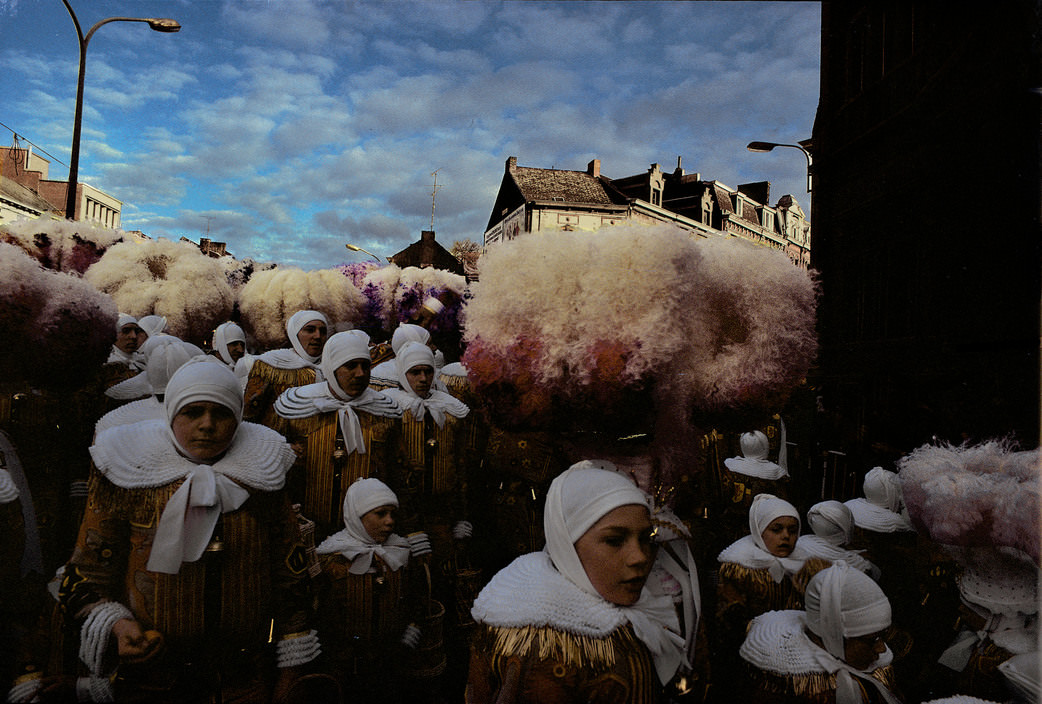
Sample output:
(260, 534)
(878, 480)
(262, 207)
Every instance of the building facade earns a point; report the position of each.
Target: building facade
(26, 191)
(929, 316)
(535, 199)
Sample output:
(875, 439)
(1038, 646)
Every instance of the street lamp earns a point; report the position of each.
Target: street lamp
(159, 25)
(768, 146)
(356, 248)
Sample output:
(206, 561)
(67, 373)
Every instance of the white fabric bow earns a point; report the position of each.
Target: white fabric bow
(189, 518)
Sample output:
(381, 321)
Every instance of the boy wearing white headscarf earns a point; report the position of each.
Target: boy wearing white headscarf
(742, 478)
(124, 361)
(575, 622)
(189, 558)
(755, 577)
(271, 373)
(833, 652)
(832, 525)
(342, 429)
(431, 481)
(229, 343)
(365, 595)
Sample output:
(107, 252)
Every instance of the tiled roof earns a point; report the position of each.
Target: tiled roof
(551, 184)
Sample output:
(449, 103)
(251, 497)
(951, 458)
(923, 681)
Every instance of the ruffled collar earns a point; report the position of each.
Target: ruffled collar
(531, 592)
(134, 359)
(141, 455)
(360, 551)
(289, 359)
(761, 469)
(312, 399)
(438, 403)
(146, 409)
(748, 554)
(878, 519)
(816, 546)
(777, 643)
(8, 490)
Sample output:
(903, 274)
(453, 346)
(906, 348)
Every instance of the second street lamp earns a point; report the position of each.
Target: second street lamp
(158, 24)
(356, 248)
(768, 146)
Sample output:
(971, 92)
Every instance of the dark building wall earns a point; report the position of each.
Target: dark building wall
(926, 223)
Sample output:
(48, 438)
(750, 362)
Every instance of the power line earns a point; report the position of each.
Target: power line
(35, 146)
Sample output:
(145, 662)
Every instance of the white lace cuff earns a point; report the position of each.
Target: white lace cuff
(95, 632)
(94, 689)
(26, 689)
(297, 649)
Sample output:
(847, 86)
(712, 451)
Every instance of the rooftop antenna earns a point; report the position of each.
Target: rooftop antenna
(208, 218)
(434, 195)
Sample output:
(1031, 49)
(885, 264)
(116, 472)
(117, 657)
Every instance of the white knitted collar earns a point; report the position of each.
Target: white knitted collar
(143, 455)
(748, 554)
(777, 643)
(761, 469)
(531, 592)
(146, 409)
(8, 490)
(312, 399)
(438, 403)
(869, 516)
(816, 546)
(288, 358)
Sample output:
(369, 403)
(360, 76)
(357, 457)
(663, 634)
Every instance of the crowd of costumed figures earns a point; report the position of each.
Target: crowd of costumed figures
(568, 480)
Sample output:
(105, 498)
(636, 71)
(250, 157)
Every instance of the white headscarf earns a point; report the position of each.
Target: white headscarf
(124, 319)
(296, 323)
(407, 332)
(842, 602)
(882, 509)
(753, 461)
(831, 521)
(578, 498)
(325, 396)
(295, 358)
(751, 551)
(883, 489)
(134, 359)
(354, 541)
(414, 354)
(224, 334)
(152, 324)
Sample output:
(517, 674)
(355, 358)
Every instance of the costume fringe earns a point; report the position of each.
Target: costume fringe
(138, 506)
(283, 377)
(814, 687)
(552, 644)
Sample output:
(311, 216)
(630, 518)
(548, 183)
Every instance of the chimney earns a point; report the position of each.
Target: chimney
(594, 168)
(511, 163)
(679, 170)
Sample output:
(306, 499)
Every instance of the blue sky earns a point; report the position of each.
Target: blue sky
(291, 127)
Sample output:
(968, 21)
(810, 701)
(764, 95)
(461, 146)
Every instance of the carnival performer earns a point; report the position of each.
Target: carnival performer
(883, 527)
(385, 374)
(366, 598)
(229, 343)
(124, 360)
(832, 523)
(741, 479)
(833, 652)
(341, 428)
(152, 325)
(764, 571)
(432, 481)
(142, 386)
(575, 622)
(188, 562)
(163, 360)
(275, 371)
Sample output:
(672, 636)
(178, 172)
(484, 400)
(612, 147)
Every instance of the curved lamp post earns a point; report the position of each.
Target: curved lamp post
(356, 248)
(768, 146)
(159, 25)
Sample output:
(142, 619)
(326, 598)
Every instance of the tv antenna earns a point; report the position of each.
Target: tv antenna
(434, 195)
(208, 218)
